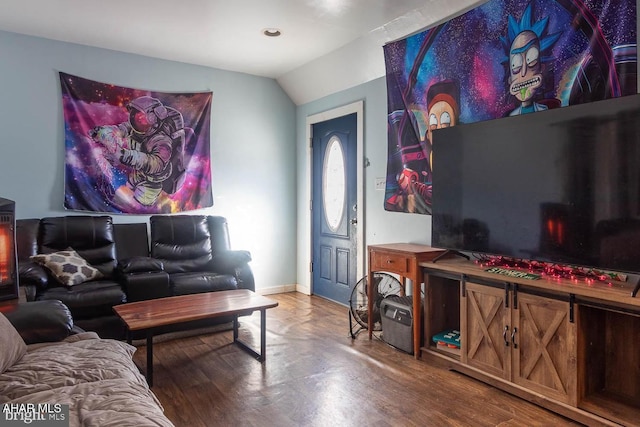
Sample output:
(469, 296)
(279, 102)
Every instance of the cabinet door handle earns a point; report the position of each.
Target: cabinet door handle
(513, 337)
(504, 335)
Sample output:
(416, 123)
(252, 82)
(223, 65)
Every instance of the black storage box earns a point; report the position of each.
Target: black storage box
(397, 322)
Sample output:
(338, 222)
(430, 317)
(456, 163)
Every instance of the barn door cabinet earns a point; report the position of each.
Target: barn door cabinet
(526, 339)
(570, 347)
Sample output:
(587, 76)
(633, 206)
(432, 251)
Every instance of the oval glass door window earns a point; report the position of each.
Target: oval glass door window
(333, 183)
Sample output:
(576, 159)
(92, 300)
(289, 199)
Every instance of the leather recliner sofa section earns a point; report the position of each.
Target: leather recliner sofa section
(92, 237)
(189, 254)
(195, 252)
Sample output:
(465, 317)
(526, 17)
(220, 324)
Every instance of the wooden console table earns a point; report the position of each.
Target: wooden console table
(402, 259)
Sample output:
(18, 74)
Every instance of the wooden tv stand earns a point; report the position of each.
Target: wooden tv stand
(569, 346)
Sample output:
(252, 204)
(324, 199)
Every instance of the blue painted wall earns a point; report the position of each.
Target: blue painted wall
(252, 140)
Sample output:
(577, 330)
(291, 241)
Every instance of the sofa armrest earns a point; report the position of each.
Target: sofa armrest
(29, 291)
(32, 276)
(139, 264)
(146, 285)
(244, 275)
(237, 264)
(41, 321)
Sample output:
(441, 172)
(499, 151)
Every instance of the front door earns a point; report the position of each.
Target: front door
(334, 206)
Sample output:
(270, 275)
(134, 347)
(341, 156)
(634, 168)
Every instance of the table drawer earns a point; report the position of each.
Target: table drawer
(390, 262)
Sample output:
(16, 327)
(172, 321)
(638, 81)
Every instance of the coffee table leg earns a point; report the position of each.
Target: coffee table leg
(150, 358)
(235, 328)
(263, 337)
(263, 334)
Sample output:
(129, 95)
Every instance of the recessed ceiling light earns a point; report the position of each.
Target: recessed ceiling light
(271, 32)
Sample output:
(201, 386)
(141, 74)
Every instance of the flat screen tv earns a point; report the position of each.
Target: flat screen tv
(559, 186)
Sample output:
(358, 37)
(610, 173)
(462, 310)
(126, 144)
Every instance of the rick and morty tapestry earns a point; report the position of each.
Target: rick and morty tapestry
(503, 58)
(135, 151)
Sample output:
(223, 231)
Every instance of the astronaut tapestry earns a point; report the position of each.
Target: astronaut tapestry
(501, 59)
(135, 151)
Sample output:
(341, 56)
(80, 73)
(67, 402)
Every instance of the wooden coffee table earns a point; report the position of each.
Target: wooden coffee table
(151, 314)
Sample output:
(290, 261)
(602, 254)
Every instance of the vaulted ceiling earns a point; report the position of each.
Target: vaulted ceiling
(335, 42)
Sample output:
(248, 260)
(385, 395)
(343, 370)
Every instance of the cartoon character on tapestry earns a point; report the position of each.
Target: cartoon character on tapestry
(413, 192)
(498, 60)
(131, 151)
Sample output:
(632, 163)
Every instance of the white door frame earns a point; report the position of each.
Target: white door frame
(358, 108)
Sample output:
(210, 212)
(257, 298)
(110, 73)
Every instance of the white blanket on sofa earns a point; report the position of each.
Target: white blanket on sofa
(95, 377)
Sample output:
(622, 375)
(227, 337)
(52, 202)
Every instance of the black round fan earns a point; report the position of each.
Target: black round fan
(384, 285)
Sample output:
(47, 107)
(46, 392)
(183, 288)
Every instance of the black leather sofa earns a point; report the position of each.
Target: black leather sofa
(181, 254)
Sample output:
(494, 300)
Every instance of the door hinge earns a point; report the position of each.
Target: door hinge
(311, 267)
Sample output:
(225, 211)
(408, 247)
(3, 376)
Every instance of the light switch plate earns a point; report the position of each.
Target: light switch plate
(380, 183)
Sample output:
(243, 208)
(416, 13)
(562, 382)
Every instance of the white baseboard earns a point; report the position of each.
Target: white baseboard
(303, 289)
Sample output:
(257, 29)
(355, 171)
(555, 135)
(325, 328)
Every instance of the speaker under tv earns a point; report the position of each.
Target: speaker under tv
(560, 186)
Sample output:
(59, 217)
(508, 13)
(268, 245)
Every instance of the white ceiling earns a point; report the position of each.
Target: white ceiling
(317, 35)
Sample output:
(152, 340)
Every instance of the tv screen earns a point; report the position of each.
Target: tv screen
(561, 186)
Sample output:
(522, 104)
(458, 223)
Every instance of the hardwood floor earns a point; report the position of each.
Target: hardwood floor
(316, 375)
